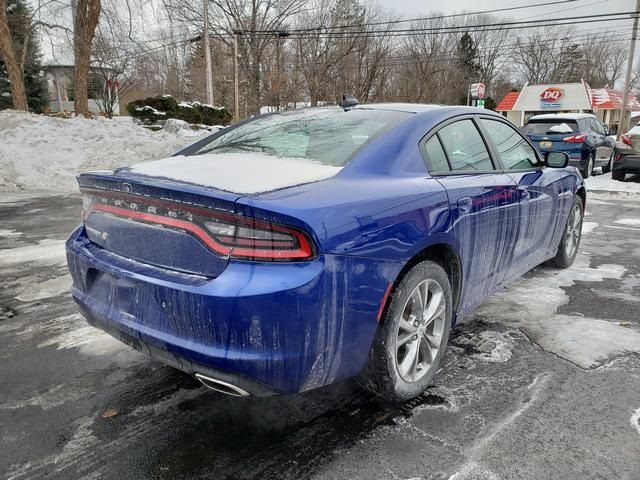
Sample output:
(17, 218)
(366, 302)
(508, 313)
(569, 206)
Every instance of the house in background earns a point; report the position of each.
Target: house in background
(579, 97)
(59, 74)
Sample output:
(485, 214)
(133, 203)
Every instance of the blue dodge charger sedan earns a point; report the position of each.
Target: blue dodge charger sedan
(294, 250)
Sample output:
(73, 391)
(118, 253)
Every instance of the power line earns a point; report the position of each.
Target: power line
(440, 57)
(184, 41)
(319, 30)
(453, 15)
(466, 30)
(406, 60)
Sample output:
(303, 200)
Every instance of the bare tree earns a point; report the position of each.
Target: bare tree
(14, 68)
(87, 14)
(111, 65)
(427, 56)
(604, 57)
(548, 55)
(491, 44)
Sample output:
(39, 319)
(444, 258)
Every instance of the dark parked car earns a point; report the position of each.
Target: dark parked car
(627, 155)
(302, 248)
(581, 135)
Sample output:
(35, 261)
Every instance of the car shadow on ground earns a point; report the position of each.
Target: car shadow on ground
(276, 437)
(291, 436)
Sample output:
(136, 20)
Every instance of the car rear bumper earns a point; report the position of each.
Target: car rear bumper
(267, 328)
(628, 163)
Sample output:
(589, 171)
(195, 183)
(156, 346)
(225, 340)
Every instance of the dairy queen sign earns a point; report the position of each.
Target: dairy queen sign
(550, 98)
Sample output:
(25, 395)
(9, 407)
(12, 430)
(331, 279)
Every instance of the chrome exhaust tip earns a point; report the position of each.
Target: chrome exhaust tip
(221, 387)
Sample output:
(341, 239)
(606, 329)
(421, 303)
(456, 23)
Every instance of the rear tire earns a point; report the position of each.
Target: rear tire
(618, 175)
(609, 166)
(413, 335)
(570, 242)
(588, 168)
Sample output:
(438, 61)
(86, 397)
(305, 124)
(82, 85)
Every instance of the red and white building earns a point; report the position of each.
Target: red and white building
(532, 100)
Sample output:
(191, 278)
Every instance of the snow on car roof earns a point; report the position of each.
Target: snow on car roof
(566, 116)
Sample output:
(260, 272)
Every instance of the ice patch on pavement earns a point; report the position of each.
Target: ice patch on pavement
(49, 288)
(54, 397)
(474, 471)
(593, 201)
(634, 222)
(488, 345)
(588, 227)
(9, 233)
(635, 420)
(64, 332)
(45, 251)
(75, 453)
(503, 345)
(471, 469)
(531, 304)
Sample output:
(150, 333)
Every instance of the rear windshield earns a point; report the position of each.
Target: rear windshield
(326, 135)
(550, 127)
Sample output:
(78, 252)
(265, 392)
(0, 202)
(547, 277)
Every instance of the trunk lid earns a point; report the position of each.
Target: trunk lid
(154, 222)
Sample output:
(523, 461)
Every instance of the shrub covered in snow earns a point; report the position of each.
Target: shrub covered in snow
(154, 109)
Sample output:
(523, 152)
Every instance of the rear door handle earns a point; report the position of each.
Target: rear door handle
(465, 204)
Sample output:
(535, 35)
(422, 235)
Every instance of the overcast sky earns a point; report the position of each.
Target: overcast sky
(416, 8)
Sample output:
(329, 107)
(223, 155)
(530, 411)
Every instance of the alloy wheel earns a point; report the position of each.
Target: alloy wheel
(420, 330)
(573, 230)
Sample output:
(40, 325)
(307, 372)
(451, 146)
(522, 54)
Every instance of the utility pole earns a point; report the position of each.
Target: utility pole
(207, 54)
(236, 88)
(281, 36)
(622, 126)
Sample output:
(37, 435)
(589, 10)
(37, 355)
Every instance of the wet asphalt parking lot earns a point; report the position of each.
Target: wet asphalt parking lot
(541, 382)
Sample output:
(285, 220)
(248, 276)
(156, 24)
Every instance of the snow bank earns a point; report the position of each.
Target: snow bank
(46, 153)
(606, 183)
(243, 173)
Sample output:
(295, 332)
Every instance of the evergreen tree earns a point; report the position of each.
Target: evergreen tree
(24, 37)
(467, 55)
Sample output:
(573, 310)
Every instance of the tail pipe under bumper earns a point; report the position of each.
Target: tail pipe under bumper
(221, 387)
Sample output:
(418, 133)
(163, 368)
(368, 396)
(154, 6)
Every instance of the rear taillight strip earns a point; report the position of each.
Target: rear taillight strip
(144, 209)
(160, 220)
(574, 139)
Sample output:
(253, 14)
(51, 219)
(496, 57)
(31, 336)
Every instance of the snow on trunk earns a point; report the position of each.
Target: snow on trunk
(242, 173)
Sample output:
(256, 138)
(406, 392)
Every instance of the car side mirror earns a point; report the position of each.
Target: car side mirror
(606, 131)
(557, 159)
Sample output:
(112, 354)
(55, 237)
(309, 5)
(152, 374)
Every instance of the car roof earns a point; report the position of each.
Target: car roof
(565, 116)
(401, 107)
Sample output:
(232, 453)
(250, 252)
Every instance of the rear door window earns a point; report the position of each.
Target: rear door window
(464, 147)
(515, 152)
(435, 155)
(597, 126)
